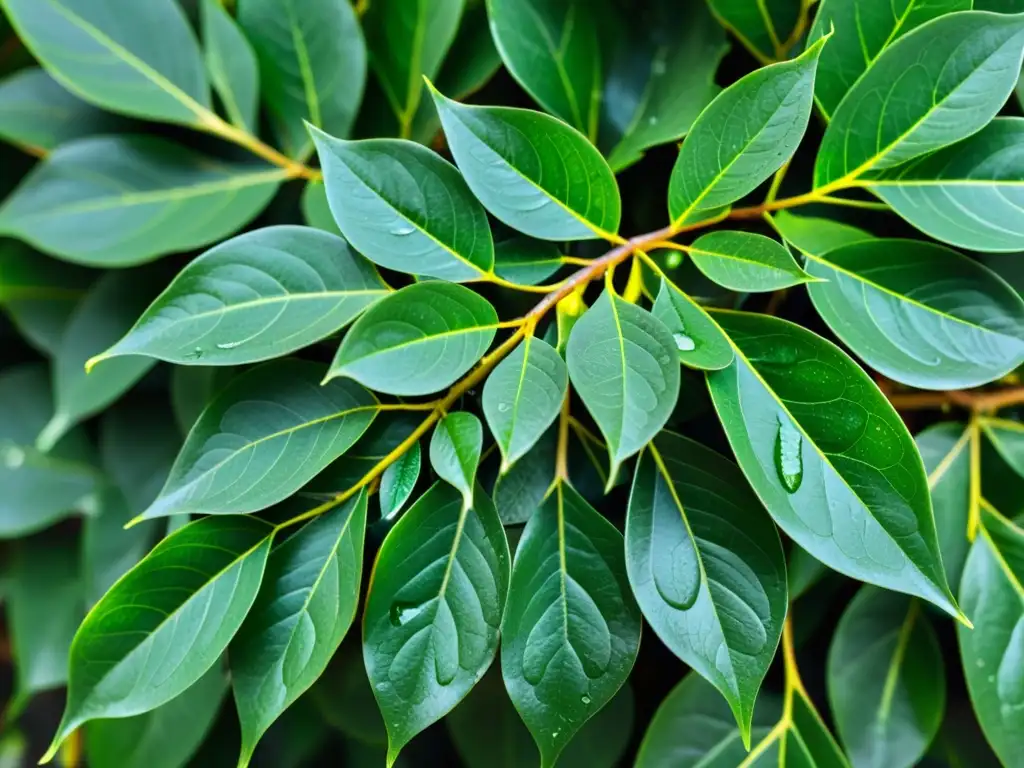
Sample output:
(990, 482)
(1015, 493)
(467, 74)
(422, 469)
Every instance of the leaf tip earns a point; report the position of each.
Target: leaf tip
(962, 618)
(93, 361)
(135, 521)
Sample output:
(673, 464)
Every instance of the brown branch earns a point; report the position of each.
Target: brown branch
(976, 402)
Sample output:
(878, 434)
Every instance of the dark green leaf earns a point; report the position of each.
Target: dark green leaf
(406, 208)
(706, 565)
(700, 342)
(886, 680)
(828, 456)
(945, 451)
(571, 629)
(257, 296)
(519, 491)
(417, 340)
(1007, 437)
(399, 481)
(231, 64)
(114, 201)
(192, 389)
(268, 433)
(532, 172)
(455, 449)
(746, 262)
(919, 313)
(108, 550)
(472, 59)
(304, 608)
(624, 364)
(165, 624)
(436, 598)
(764, 26)
(526, 261)
(316, 211)
(344, 698)
(803, 571)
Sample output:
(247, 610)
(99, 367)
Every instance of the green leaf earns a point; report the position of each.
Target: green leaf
(1007, 437)
(455, 449)
(707, 568)
(406, 208)
(817, 236)
(44, 605)
(316, 211)
(886, 680)
(108, 550)
(969, 194)
(950, 76)
(39, 114)
(165, 624)
(746, 134)
(436, 599)
(268, 433)
(763, 27)
(944, 448)
(523, 396)
(862, 30)
(520, 490)
(698, 339)
(553, 49)
(38, 488)
(920, 314)
(746, 262)
(828, 456)
(667, 69)
(139, 59)
(192, 389)
(417, 340)
(694, 728)
(114, 201)
(344, 698)
(399, 481)
(304, 608)
(624, 364)
(526, 261)
(260, 295)
(231, 64)
(408, 40)
(165, 737)
(100, 318)
(532, 172)
(803, 571)
(571, 629)
(312, 60)
(992, 592)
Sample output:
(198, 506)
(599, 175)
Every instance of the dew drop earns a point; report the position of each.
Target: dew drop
(195, 354)
(789, 460)
(673, 260)
(402, 613)
(684, 343)
(230, 344)
(652, 121)
(585, 700)
(402, 231)
(503, 407)
(14, 457)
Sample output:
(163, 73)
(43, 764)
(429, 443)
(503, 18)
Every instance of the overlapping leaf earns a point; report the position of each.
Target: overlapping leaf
(945, 451)
(231, 64)
(746, 262)
(764, 27)
(455, 449)
(699, 340)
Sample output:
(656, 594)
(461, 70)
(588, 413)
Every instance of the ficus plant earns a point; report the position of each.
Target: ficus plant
(371, 367)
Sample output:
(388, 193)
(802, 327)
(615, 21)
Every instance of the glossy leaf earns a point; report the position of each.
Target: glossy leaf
(525, 261)
(435, 604)
(817, 236)
(571, 629)
(260, 295)
(128, 656)
(417, 340)
(950, 77)
(919, 313)
(519, 491)
(406, 208)
(140, 59)
(316, 211)
(1007, 437)
(886, 680)
(304, 608)
(192, 389)
(312, 60)
(828, 456)
(743, 137)
(531, 171)
(399, 481)
(700, 342)
(231, 64)
(522, 397)
(945, 451)
(707, 567)
(969, 194)
(763, 27)
(624, 364)
(992, 593)
(114, 201)
(267, 434)
(455, 449)
(746, 262)
(861, 31)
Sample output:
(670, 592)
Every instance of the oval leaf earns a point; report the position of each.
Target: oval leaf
(455, 449)
(418, 340)
(268, 433)
(399, 481)
(828, 456)
(746, 262)
(700, 342)
(919, 313)
(436, 598)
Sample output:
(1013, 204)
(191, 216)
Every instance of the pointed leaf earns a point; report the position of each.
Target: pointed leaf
(405, 208)
(304, 608)
(417, 340)
(432, 615)
(257, 296)
(763, 27)
(746, 262)
(919, 313)
(268, 433)
(700, 342)
(523, 396)
(114, 201)
(162, 626)
(945, 451)
(706, 565)
(531, 171)
(231, 64)
(571, 630)
(624, 364)
(828, 456)
(455, 449)
(399, 481)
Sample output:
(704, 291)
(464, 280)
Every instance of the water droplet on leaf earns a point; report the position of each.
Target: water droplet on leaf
(402, 613)
(673, 260)
(230, 344)
(503, 407)
(402, 230)
(789, 458)
(683, 342)
(585, 701)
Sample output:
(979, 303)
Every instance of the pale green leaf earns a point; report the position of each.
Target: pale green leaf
(455, 449)
(746, 262)
(816, 236)
(399, 481)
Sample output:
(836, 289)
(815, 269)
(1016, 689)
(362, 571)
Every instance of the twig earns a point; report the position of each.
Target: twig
(976, 402)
